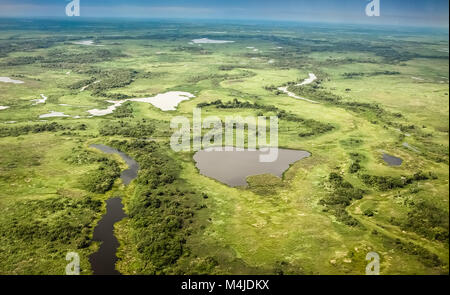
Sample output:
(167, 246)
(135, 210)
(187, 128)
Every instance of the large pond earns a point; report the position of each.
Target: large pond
(103, 262)
(391, 160)
(233, 167)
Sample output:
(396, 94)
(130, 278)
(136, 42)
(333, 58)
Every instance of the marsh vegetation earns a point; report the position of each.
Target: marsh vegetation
(321, 216)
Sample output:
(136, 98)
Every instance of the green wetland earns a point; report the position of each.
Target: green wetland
(369, 104)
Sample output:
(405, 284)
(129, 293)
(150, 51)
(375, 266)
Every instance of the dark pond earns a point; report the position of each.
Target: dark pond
(391, 160)
(233, 167)
(103, 262)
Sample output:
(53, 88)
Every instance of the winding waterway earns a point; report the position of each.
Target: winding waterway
(133, 167)
(103, 262)
(307, 81)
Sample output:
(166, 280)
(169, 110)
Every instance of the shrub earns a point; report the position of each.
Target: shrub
(101, 180)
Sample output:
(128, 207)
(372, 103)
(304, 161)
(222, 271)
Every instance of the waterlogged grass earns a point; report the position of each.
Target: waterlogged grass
(276, 225)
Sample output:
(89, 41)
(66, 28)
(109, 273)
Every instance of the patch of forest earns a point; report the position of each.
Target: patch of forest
(39, 128)
(311, 127)
(57, 224)
(58, 58)
(341, 196)
(385, 183)
(351, 75)
(161, 211)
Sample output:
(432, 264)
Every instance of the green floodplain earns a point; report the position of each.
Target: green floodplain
(379, 90)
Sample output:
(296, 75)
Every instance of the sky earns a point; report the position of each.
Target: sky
(392, 12)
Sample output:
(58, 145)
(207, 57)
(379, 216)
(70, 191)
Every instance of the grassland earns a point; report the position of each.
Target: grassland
(378, 88)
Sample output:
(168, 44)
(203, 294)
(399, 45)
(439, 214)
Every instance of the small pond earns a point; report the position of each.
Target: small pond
(391, 160)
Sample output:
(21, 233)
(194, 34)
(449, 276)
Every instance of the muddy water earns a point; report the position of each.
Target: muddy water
(103, 262)
(391, 160)
(233, 167)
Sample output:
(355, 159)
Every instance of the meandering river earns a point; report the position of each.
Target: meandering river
(103, 262)
(312, 78)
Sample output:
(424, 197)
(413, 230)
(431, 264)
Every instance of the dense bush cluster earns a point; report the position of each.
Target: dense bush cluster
(428, 221)
(113, 79)
(360, 74)
(124, 111)
(106, 80)
(425, 256)
(314, 127)
(37, 128)
(54, 220)
(236, 104)
(80, 156)
(20, 44)
(356, 158)
(385, 183)
(141, 129)
(22, 60)
(80, 84)
(102, 179)
(160, 214)
(220, 77)
(99, 180)
(342, 196)
(114, 96)
(58, 58)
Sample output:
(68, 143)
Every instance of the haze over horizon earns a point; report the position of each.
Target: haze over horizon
(393, 12)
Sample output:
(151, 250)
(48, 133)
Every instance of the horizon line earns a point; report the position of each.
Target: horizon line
(256, 20)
